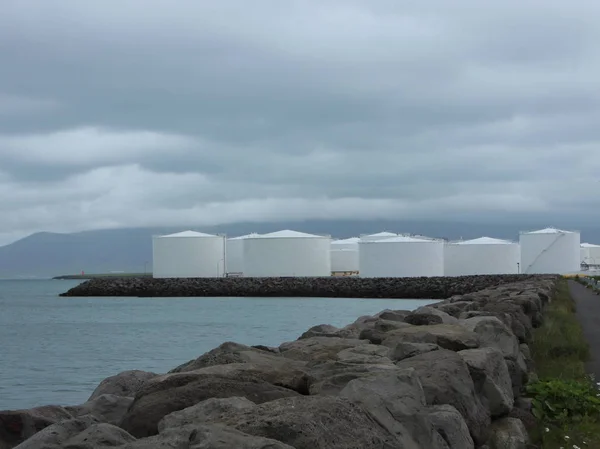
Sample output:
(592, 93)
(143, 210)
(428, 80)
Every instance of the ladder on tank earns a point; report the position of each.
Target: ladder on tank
(542, 252)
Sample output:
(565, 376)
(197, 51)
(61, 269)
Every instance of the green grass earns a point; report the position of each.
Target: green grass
(560, 352)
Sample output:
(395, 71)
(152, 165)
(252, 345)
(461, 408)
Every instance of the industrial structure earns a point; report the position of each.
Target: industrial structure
(235, 255)
(287, 253)
(401, 256)
(550, 251)
(344, 257)
(188, 254)
(484, 255)
(379, 236)
(590, 254)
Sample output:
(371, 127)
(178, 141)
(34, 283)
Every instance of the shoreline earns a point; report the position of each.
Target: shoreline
(451, 374)
(324, 287)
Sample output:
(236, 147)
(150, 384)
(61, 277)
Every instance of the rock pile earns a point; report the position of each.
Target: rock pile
(325, 287)
(445, 376)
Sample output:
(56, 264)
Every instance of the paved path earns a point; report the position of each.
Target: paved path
(588, 312)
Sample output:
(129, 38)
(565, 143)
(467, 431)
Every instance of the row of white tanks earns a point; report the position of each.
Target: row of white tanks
(292, 253)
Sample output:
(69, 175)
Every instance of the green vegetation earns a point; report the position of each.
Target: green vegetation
(566, 400)
(103, 275)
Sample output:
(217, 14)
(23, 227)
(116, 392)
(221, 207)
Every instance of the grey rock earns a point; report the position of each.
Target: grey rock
(446, 380)
(365, 354)
(107, 408)
(317, 348)
(320, 330)
(491, 379)
(396, 401)
(422, 313)
(206, 411)
(508, 433)
(17, 426)
(493, 334)
(205, 436)
(329, 378)
(393, 315)
(57, 434)
(404, 350)
(99, 435)
(313, 422)
(127, 384)
(450, 424)
(447, 336)
(177, 391)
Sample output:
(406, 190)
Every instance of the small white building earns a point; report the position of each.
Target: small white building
(287, 254)
(483, 255)
(188, 254)
(550, 251)
(401, 256)
(235, 254)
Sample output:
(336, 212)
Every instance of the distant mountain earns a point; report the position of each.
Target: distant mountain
(48, 254)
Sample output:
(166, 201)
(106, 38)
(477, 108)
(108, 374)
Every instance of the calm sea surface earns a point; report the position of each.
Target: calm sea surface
(56, 350)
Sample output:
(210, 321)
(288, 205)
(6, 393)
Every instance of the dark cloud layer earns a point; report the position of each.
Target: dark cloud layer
(148, 112)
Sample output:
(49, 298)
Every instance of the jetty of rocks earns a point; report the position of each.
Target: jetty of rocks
(326, 287)
(444, 376)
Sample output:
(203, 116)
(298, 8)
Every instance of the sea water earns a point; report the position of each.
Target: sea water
(56, 350)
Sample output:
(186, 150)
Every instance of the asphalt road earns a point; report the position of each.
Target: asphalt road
(588, 312)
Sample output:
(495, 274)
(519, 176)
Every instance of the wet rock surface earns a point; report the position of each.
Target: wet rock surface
(446, 376)
(326, 287)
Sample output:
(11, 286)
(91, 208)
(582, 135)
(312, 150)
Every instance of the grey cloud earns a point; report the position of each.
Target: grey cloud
(438, 108)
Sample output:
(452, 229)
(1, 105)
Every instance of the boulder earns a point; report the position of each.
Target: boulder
(494, 334)
(429, 315)
(446, 380)
(508, 433)
(18, 425)
(396, 401)
(56, 435)
(365, 354)
(317, 348)
(205, 436)
(126, 383)
(491, 379)
(449, 423)
(404, 350)
(393, 315)
(106, 408)
(452, 308)
(332, 376)
(320, 330)
(174, 392)
(447, 336)
(519, 375)
(98, 435)
(206, 411)
(313, 422)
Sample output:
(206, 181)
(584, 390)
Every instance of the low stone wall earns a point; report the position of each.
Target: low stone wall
(328, 287)
(446, 376)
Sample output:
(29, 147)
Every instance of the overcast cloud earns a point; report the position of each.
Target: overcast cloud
(159, 113)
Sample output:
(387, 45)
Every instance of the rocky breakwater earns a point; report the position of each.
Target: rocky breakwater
(326, 287)
(446, 376)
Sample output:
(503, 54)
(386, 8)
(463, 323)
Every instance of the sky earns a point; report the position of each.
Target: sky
(136, 113)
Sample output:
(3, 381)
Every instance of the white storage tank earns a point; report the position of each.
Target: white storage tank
(550, 251)
(590, 254)
(401, 257)
(484, 255)
(287, 253)
(188, 254)
(344, 260)
(235, 254)
(351, 243)
(379, 236)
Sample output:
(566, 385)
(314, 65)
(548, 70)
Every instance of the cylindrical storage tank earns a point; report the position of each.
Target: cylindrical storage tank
(379, 236)
(590, 254)
(351, 243)
(235, 255)
(550, 251)
(484, 255)
(287, 254)
(188, 254)
(401, 257)
(344, 260)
